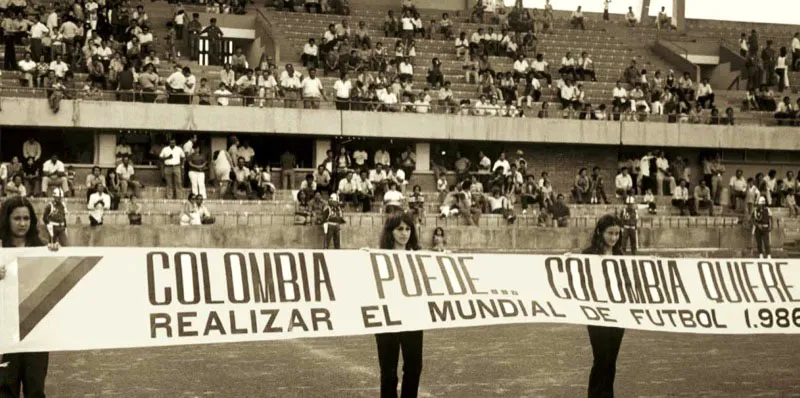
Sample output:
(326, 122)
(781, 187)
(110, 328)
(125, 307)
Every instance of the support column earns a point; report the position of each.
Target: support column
(423, 151)
(105, 152)
(679, 15)
(321, 146)
(644, 13)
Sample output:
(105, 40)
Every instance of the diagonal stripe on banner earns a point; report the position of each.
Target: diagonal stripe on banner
(52, 290)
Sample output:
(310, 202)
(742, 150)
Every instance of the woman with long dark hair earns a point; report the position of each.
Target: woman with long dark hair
(24, 371)
(605, 341)
(399, 234)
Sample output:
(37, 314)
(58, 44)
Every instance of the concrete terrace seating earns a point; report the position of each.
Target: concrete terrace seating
(375, 219)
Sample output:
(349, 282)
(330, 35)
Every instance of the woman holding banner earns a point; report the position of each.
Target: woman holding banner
(18, 228)
(399, 234)
(605, 341)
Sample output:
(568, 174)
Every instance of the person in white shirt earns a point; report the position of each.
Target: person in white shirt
(521, 67)
(462, 45)
(576, 19)
(406, 70)
(539, 69)
(585, 67)
(663, 174)
(407, 23)
(744, 48)
(568, 95)
(28, 68)
(246, 86)
(480, 106)
(343, 88)
(310, 55)
(176, 83)
(663, 21)
(567, 66)
(99, 203)
(503, 163)
(312, 90)
(222, 94)
(59, 67)
(705, 95)
(53, 171)
(680, 198)
(737, 188)
(173, 157)
(631, 17)
(37, 33)
(638, 100)
(290, 83)
(623, 184)
(620, 97)
(422, 105)
(795, 52)
(125, 172)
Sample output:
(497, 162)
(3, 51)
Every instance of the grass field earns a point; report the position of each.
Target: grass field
(512, 361)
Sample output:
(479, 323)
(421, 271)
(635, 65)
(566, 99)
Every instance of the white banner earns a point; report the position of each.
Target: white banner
(98, 298)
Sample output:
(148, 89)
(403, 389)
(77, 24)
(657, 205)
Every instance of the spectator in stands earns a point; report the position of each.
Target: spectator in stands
(347, 189)
(680, 198)
(665, 182)
(624, 184)
(737, 188)
(791, 202)
(435, 76)
(630, 17)
(786, 112)
(393, 199)
(663, 21)
(127, 178)
(173, 157)
(197, 164)
(113, 188)
(310, 55)
(540, 69)
(560, 212)
(701, 199)
(782, 69)
(576, 19)
(290, 86)
(53, 172)
(596, 187)
(32, 149)
(99, 202)
(744, 48)
(581, 187)
(16, 187)
(705, 95)
(638, 101)
(585, 68)
(620, 101)
(567, 69)
(765, 99)
(28, 68)
(768, 59)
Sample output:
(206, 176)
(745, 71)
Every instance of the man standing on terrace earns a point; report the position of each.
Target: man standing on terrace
(172, 156)
(194, 27)
(214, 41)
(737, 187)
(288, 163)
(796, 52)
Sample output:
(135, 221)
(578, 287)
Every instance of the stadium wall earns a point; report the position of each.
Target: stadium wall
(34, 112)
(459, 238)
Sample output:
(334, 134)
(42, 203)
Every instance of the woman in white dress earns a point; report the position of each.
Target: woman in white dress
(782, 69)
(222, 169)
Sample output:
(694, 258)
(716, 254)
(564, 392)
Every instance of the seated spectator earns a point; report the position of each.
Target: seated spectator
(680, 198)
(347, 189)
(322, 178)
(701, 199)
(439, 240)
(620, 95)
(99, 202)
(705, 95)
(462, 45)
(576, 19)
(302, 211)
(127, 179)
(113, 188)
(791, 203)
(650, 201)
(310, 55)
(786, 112)
(28, 67)
(134, 211)
(263, 177)
(393, 199)
(630, 17)
(560, 212)
(435, 76)
(766, 99)
(663, 21)
(585, 67)
(638, 101)
(53, 171)
(15, 187)
(623, 184)
(416, 204)
(195, 212)
(446, 28)
(471, 69)
(241, 186)
(581, 187)
(567, 95)
(31, 176)
(540, 69)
